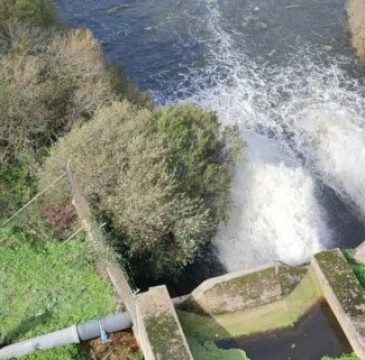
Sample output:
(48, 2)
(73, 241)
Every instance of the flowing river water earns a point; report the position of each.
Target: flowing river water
(283, 71)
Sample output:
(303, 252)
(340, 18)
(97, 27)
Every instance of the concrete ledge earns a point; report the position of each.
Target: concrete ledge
(159, 329)
(254, 319)
(344, 294)
(241, 290)
(121, 285)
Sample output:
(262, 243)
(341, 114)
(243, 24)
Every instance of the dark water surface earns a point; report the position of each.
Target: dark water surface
(283, 71)
(315, 335)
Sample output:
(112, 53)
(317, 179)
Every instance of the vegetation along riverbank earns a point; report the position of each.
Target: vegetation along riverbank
(158, 178)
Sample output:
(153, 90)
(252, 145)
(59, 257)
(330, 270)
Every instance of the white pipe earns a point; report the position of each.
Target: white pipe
(72, 335)
(48, 341)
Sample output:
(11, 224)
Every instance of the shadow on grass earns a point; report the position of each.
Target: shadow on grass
(25, 326)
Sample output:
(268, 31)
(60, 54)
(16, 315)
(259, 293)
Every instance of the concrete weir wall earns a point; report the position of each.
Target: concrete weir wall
(241, 303)
(244, 289)
(275, 296)
(356, 16)
(344, 294)
(159, 330)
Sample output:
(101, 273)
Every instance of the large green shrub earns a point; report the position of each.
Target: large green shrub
(160, 178)
(35, 12)
(47, 89)
(49, 82)
(197, 154)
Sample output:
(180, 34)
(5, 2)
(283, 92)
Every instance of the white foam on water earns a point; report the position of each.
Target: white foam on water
(275, 212)
(326, 119)
(336, 147)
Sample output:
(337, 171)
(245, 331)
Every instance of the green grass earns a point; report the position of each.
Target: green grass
(342, 357)
(358, 269)
(46, 287)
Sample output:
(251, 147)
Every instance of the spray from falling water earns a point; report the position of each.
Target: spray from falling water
(275, 214)
(296, 137)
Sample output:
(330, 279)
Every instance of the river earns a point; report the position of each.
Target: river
(284, 73)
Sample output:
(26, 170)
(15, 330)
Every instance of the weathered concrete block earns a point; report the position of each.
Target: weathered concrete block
(159, 330)
(241, 290)
(344, 294)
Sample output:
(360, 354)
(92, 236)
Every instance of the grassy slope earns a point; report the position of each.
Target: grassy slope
(46, 287)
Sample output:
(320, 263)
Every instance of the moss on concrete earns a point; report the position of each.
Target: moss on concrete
(290, 277)
(247, 286)
(238, 292)
(209, 351)
(246, 289)
(343, 281)
(278, 314)
(164, 336)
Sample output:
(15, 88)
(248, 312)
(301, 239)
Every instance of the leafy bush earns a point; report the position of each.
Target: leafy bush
(46, 287)
(35, 12)
(128, 90)
(161, 179)
(49, 82)
(16, 186)
(46, 90)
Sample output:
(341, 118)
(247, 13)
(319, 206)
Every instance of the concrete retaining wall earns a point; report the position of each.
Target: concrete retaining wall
(221, 304)
(160, 333)
(241, 290)
(344, 295)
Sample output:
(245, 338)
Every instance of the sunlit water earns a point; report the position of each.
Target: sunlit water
(283, 72)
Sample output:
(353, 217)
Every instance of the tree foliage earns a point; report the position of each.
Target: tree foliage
(35, 12)
(50, 81)
(48, 84)
(161, 179)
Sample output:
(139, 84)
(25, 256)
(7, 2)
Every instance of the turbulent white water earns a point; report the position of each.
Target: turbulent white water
(336, 146)
(310, 121)
(275, 214)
